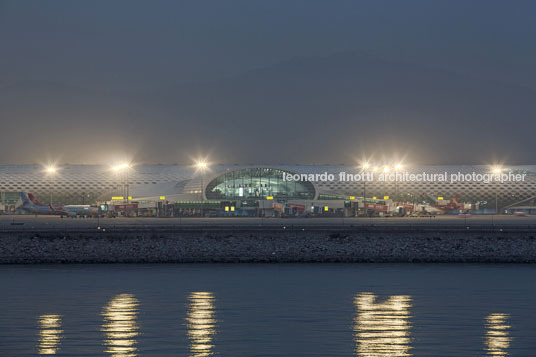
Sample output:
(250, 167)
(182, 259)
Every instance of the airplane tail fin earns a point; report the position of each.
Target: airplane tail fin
(34, 200)
(24, 198)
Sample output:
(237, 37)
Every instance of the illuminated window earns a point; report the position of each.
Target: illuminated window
(257, 183)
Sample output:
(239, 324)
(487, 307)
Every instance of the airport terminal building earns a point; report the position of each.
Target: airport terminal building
(248, 188)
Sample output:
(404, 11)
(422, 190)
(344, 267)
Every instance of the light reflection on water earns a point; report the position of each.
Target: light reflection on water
(497, 336)
(201, 324)
(382, 328)
(120, 326)
(49, 334)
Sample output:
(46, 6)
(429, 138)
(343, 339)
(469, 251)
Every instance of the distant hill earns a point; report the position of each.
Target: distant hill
(305, 110)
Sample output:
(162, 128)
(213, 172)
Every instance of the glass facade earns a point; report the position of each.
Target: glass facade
(257, 183)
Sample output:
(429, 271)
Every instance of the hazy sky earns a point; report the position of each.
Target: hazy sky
(139, 47)
(147, 44)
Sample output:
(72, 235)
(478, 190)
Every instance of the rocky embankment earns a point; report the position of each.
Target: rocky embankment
(270, 244)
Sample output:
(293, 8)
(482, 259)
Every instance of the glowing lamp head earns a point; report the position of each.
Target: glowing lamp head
(386, 169)
(121, 167)
(366, 165)
(201, 165)
(399, 167)
(50, 169)
(497, 170)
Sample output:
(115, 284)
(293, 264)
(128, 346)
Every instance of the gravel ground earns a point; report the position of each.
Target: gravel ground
(270, 245)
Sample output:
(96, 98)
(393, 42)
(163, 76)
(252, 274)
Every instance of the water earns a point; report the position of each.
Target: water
(268, 310)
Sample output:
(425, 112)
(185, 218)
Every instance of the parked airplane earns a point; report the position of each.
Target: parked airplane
(30, 205)
(453, 205)
(82, 210)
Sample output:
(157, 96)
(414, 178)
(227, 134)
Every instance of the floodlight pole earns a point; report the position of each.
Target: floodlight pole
(128, 168)
(51, 186)
(364, 196)
(496, 201)
(497, 171)
(118, 183)
(202, 191)
(396, 183)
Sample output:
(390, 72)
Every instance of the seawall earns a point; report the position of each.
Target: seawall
(271, 244)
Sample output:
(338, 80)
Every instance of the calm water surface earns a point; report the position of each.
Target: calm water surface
(268, 310)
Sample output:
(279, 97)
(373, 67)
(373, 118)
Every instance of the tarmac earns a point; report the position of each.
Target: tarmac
(440, 239)
(53, 223)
